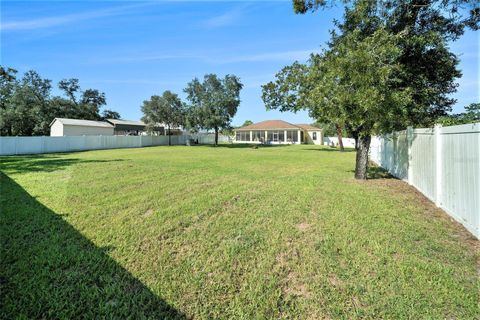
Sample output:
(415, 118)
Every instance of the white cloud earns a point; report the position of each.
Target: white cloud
(226, 19)
(48, 22)
(212, 58)
(222, 20)
(271, 56)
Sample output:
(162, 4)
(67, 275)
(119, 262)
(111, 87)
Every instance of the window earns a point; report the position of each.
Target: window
(242, 136)
(275, 136)
(269, 135)
(292, 136)
(258, 135)
(314, 136)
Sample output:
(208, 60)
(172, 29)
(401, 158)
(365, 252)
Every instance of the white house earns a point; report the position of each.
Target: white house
(278, 132)
(77, 127)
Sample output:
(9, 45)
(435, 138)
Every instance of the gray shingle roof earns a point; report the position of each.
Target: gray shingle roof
(127, 122)
(80, 122)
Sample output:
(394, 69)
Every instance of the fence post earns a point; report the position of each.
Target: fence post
(438, 165)
(409, 148)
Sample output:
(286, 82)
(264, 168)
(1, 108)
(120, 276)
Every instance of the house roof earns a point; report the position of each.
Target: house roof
(307, 127)
(126, 122)
(84, 123)
(277, 124)
(269, 124)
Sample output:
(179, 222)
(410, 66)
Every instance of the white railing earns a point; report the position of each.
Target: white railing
(36, 145)
(443, 163)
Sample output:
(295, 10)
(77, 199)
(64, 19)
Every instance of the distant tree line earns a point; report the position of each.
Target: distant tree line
(211, 104)
(471, 114)
(27, 106)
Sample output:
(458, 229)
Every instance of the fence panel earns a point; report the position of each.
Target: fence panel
(8, 145)
(400, 159)
(50, 144)
(35, 145)
(423, 162)
(442, 163)
(461, 182)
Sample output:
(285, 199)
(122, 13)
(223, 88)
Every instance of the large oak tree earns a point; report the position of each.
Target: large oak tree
(166, 109)
(213, 102)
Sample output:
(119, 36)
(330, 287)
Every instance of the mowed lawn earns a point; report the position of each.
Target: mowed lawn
(221, 233)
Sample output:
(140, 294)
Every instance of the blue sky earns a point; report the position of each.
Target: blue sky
(132, 50)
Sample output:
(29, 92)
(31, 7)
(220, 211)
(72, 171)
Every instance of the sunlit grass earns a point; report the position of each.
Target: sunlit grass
(226, 232)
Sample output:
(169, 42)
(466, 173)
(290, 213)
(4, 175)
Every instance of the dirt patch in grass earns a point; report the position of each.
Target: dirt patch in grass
(231, 202)
(148, 213)
(291, 283)
(294, 287)
(303, 226)
(334, 281)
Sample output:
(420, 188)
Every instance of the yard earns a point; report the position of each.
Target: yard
(227, 232)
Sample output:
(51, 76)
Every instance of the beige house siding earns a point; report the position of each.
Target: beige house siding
(310, 134)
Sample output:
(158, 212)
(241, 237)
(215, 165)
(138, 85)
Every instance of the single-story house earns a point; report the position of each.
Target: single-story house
(78, 127)
(278, 132)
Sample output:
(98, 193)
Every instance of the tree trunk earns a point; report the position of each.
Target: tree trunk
(216, 136)
(169, 136)
(339, 135)
(355, 136)
(361, 165)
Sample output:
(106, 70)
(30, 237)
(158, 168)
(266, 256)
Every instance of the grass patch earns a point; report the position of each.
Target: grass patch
(226, 232)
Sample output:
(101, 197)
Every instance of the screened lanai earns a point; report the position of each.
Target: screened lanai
(278, 132)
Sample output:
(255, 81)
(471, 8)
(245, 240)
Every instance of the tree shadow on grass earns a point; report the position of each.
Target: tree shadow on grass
(376, 172)
(41, 163)
(49, 270)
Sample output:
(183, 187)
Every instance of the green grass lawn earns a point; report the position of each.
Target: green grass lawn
(227, 232)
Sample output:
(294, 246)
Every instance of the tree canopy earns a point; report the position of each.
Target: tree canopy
(110, 114)
(27, 106)
(353, 83)
(471, 115)
(427, 26)
(247, 123)
(166, 109)
(213, 102)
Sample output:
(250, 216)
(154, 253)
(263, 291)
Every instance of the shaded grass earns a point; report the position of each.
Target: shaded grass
(274, 232)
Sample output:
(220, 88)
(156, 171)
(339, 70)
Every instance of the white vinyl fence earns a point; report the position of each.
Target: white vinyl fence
(443, 163)
(209, 138)
(347, 142)
(35, 145)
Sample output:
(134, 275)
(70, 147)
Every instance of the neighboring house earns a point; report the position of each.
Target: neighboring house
(77, 127)
(130, 127)
(278, 132)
